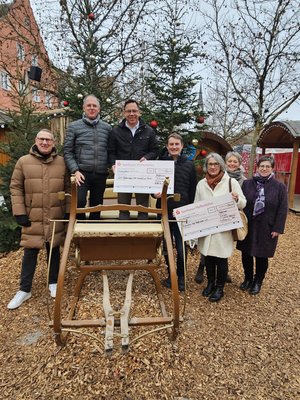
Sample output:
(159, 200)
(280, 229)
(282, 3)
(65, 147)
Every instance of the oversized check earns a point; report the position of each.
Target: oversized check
(206, 217)
(143, 176)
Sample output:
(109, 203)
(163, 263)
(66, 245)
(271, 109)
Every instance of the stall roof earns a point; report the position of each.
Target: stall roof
(279, 134)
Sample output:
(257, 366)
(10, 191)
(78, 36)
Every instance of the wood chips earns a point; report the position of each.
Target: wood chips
(244, 347)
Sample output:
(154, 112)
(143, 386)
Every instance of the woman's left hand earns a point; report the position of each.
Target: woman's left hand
(274, 234)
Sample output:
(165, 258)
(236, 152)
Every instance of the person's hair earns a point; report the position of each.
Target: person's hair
(234, 154)
(218, 159)
(175, 135)
(45, 130)
(131, 101)
(93, 96)
(266, 158)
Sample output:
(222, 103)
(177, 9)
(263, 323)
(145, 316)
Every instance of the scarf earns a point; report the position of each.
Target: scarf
(212, 181)
(238, 174)
(259, 205)
(92, 122)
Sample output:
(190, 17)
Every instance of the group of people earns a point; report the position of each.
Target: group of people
(91, 146)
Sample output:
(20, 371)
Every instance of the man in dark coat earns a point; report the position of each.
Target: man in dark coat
(85, 153)
(132, 139)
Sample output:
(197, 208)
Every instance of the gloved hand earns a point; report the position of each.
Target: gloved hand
(23, 220)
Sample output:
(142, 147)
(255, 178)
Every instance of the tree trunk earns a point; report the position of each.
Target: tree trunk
(256, 134)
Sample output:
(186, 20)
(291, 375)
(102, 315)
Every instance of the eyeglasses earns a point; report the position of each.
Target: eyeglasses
(265, 166)
(213, 164)
(131, 111)
(40, 139)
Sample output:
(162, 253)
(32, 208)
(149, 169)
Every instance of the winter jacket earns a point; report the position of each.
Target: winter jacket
(123, 146)
(219, 244)
(259, 242)
(34, 188)
(85, 147)
(185, 181)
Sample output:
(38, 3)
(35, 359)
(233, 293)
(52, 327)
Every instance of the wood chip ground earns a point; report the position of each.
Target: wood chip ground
(244, 347)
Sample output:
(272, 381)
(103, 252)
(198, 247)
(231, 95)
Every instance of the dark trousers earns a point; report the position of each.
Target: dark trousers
(141, 199)
(29, 265)
(95, 183)
(176, 235)
(217, 270)
(261, 267)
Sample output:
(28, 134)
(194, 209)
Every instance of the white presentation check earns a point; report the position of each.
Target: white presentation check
(206, 217)
(143, 176)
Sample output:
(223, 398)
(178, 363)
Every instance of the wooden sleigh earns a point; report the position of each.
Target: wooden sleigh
(106, 246)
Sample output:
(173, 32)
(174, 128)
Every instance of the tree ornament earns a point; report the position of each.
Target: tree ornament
(201, 119)
(203, 152)
(91, 16)
(195, 142)
(108, 100)
(65, 103)
(79, 96)
(154, 124)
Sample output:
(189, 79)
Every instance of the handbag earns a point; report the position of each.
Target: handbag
(240, 233)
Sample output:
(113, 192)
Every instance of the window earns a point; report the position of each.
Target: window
(21, 87)
(35, 96)
(4, 80)
(20, 52)
(34, 60)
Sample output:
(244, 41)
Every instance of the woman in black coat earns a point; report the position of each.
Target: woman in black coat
(266, 211)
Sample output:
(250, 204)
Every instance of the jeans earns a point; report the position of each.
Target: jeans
(175, 233)
(29, 265)
(261, 266)
(95, 183)
(141, 199)
(216, 267)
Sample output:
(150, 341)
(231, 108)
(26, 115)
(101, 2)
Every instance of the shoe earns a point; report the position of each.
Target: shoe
(52, 289)
(246, 285)
(199, 277)
(19, 298)
(209, 289)
(217, 294)
(228, 279)
(167, 283)
(181, 284)
(255, 288)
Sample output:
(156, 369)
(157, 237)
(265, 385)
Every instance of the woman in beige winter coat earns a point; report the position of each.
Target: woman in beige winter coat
(219, 246)
(36, 181)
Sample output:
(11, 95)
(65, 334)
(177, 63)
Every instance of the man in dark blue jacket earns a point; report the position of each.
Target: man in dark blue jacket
(132, 139)
(85, 153)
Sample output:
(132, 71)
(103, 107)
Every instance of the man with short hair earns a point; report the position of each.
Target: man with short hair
(35, 183)
(132, 139)
(85, 153)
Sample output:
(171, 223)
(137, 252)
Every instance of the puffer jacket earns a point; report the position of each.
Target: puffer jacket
(34, 188)
(85, 147)
(123, 146)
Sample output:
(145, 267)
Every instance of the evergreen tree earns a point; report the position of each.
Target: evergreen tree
(170, 97)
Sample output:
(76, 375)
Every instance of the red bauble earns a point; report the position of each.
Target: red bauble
(65, 103)
(153, 124)
(91, 16)
(201, 119)
(203, 152)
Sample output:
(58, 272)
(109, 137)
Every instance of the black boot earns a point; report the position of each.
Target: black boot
(217, 294)
(167, 283)
(199, 277)
(255, 288)
(246, 285)
(209, 289)
(181, 284)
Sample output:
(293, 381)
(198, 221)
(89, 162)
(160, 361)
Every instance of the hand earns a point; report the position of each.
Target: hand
(143, 159)
(274, 235)
(235, 196)
(157, 195)
(79, 177)
(23, 220)
(113, 169)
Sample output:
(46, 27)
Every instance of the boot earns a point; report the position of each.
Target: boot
(209, 289)
(246, 285)
(217, 294)
(255, 288)
(181, 284)
(167, 283)
(199, 277)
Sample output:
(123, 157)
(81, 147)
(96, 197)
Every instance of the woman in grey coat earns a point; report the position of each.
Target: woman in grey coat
(266, 211)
